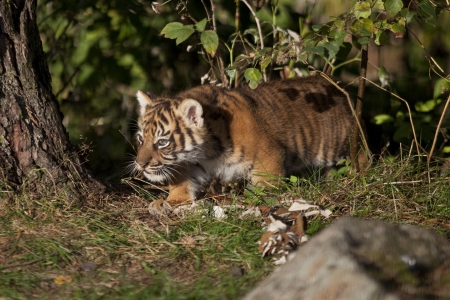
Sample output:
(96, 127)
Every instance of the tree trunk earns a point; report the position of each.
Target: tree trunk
(35, 152)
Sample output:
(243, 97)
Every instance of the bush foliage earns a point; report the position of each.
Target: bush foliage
(101, 52)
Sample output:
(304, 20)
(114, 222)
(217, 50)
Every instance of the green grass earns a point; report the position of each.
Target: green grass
(111, 248)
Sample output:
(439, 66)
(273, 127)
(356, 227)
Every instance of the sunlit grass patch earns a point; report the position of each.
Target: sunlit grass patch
(113, 248)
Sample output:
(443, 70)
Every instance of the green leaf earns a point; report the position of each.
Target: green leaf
(200, 26)
(383, 118)
(381, 38)
(339, 36)
(427, 8)
(431, 20)
(341, 162)
(210, 41)
(408, 15)
(126, 60)
(421, 199)
(178, 31)
(363, 27)
(338, 25)
(363, 10)
(428, 12)
(399, 118)
(355, 42)
(381, 25)
(334, 173)
(363, 41)
(343, 170)
(254, 33)
(316, 50)
(332, 49)
(427, 106)
(317, 27)
(446, 149)
(303, 57)
(378, 4)
(398, 29)
(293, 179)
(365, 32)
(393, 7)
(382, 72)
(231, 72)
(441, 86)
(253, 77)
(265, 62)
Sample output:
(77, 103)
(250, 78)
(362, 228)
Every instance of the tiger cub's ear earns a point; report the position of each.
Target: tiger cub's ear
(191, 111)
(144, 101)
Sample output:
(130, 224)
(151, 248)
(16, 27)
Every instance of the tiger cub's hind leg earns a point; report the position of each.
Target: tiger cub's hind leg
(267, 172)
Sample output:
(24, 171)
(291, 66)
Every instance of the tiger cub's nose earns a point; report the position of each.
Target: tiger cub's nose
(142, 163)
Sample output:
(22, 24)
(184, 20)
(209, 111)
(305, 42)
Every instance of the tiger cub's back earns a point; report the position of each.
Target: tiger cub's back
(304, 121)
(279, 129)
(310, 116)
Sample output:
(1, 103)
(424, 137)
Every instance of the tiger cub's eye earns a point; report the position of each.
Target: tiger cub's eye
(162, 143)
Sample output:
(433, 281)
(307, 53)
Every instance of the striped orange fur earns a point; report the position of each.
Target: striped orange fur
(281, 128)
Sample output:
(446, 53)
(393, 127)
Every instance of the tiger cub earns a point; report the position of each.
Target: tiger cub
(280, 128)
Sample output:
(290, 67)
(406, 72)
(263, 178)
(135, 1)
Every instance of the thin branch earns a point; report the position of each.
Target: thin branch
(67, 82)
(132, 146)
(429, 57)
(206, 10)
(433, 63)
(333, 68)
(218, 57)
(437, 132)
(407, 106)
(257, 23)
(259, 31)
(359, 105)
(187, 12)
(236, 17)
(213, 18)
(223, 76)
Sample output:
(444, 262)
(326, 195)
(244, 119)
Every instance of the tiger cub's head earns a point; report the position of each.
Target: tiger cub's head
(170, 135)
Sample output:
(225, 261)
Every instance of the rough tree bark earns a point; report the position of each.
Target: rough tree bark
(35, 152)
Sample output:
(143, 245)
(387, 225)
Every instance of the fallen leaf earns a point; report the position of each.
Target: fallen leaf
(276, 225)
(253, 211)
(218, 212)
(63, 279)
(302, 205)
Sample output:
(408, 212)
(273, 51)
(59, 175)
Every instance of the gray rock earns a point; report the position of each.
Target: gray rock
(363, 259)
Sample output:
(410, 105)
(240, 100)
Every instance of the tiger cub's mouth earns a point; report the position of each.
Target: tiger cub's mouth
(158, 175)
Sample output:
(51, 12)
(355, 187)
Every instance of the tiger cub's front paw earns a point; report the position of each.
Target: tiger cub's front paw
(160, 207)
